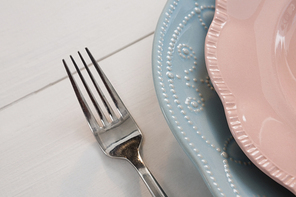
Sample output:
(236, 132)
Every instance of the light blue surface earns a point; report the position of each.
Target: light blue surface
(193, 109)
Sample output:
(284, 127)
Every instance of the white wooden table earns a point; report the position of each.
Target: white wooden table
(46, 147)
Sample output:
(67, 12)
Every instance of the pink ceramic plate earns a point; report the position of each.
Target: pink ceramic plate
(251, 59)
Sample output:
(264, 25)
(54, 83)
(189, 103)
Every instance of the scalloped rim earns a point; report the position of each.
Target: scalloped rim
(228, 100)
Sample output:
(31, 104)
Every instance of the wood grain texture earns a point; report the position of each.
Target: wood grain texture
(47, 149)
(36, 35)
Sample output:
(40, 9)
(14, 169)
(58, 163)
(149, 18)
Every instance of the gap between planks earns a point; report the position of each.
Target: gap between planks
(61, 79)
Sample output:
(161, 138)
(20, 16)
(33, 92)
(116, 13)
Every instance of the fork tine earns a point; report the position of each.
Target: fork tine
(115, 98)
(121, 138)
(101, 94)
(85, 108)
(94, 101)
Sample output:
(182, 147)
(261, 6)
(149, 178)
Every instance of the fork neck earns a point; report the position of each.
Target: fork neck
(151, 183)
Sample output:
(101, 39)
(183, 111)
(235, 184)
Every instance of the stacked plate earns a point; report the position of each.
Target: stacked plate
(226, 89)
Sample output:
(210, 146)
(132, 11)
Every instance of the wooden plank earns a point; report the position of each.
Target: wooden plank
(47, 148)
(36, 35)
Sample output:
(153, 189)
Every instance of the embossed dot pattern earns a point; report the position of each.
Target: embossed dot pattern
(185, 52)
(186, 94)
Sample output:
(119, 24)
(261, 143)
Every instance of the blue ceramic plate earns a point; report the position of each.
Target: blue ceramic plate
(192, 108)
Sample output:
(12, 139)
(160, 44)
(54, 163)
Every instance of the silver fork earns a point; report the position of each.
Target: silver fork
(120, 137)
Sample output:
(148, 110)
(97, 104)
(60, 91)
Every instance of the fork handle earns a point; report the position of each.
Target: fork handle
(151, 183)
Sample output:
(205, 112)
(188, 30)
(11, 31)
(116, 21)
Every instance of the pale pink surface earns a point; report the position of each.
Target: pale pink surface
(251, 59)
